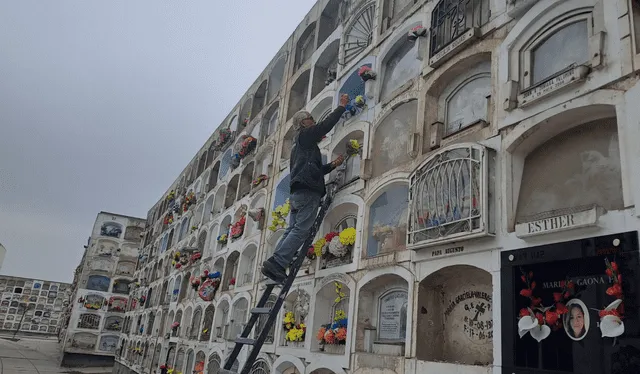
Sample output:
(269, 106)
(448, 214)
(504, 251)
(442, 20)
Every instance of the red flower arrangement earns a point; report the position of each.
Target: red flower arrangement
(237, 229)
(537, 319)
(232, 282)
(611, 324)
(261, 178)
(195, 257)
(366, 73)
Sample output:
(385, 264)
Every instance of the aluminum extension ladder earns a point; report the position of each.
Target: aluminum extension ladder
(261, 310)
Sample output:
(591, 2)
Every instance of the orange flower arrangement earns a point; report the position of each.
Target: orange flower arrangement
(330, 337)
(321, 332)
(341, 334)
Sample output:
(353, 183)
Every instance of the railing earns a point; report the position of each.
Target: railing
(452, 18)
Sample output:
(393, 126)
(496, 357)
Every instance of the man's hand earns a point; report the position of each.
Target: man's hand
(338, 161)
(344, 100)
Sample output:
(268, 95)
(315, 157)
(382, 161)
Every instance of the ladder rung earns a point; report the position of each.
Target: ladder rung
(246, 341)
(261, 310)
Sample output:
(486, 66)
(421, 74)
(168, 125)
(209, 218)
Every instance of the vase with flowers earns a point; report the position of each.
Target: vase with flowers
(332, 337)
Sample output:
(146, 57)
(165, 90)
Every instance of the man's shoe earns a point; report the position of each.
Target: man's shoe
(273, 271)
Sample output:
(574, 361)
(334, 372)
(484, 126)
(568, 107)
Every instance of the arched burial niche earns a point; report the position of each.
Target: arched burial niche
(213, 177)
(464, 102)
(262, 320)
(246, 178)
(331, 314)
(455, 316)
(111, 229)
(349, 171)
(298, 94)
(252, 227)
(296, 303)
(259, 99)
(224, 230)
(247, 265)
(98, 283)
(359, 33)
(276, 78)
(260, 367)
(587, 174)
(325, 69)
(393, 10)
(269, 122)
(221, 319)
(381, 326)
(306, 45)
(208, 207)
(238, 317)
(207, 323)
(214, 364)
(340, 217)
(399, 66)
(225, 164)
(329, 21)
(387, 227)
(218, 201)
(287, 145)
(449, 195)
(232, 190)
(391, 138)
(453, 20)
(230, 271)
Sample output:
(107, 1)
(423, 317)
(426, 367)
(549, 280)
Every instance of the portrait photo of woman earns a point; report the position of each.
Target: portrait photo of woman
(576, 321)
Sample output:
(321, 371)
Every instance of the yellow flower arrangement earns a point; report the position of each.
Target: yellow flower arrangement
(340, 315)
(296, 334)
(341, 295)
(348, 236)
(317, 246)
(279, 215)
(289, 321)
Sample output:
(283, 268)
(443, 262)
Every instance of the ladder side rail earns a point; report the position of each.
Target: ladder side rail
(253, 355)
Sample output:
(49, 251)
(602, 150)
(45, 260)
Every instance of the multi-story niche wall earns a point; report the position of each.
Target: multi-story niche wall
(390, 147)
(383, 312)
(387, 220)
(456, 318)
(588, 172)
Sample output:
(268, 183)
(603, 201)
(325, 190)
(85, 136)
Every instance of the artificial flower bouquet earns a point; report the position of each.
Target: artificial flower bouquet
(366, 73)
(279, 215)
(335, 332)
(416, 32)
(259, 180)
(210, 282)
(237, 229)
(334, 244)
(222, 239)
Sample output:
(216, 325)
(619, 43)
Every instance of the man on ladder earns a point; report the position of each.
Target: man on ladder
(307, 186)
(307, 191)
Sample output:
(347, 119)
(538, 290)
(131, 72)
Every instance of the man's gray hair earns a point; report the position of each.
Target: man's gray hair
(298, 118)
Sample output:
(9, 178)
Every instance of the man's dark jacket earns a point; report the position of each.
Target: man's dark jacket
(307, 170)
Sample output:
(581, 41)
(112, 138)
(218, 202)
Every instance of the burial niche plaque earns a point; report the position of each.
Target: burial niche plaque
(392, 324)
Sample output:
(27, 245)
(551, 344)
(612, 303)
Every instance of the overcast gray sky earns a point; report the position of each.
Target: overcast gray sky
(103, 103)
